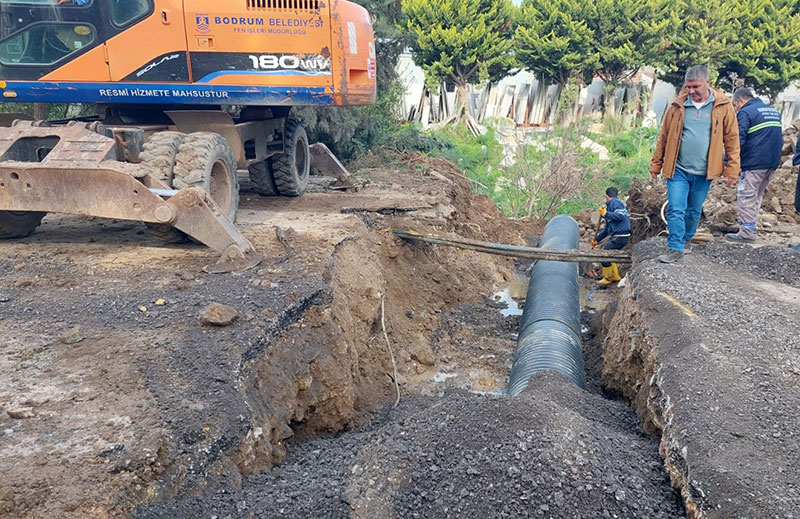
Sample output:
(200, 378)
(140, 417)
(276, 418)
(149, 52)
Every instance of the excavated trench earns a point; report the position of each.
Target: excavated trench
(325, 440)
(145, 411)
(455, 445)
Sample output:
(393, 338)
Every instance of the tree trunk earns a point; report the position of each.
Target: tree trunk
(462, 102)
(652, 96)
(576, 112)
(41, 111)
(609, 96)
(551, 115)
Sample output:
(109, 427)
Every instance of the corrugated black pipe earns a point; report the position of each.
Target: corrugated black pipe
(550, 331)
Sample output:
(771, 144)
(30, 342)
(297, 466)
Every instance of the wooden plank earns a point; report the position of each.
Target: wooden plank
(518, 251)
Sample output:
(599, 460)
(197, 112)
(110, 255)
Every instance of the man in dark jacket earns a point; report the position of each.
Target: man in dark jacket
(796, 162)
(618, 227)
(760, 143)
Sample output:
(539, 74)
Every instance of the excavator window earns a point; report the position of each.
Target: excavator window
(125, 11)
(44, 2)
(45, 43)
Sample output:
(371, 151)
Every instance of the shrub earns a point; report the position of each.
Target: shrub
(411, 137)
(624, 144)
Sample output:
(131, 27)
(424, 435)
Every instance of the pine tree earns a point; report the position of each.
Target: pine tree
(753, 43)
(707, 34)
(460, 40)
(554, 41)
(627, 35)
(768, 55)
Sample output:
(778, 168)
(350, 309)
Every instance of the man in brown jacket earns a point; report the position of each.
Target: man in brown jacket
(699, 141)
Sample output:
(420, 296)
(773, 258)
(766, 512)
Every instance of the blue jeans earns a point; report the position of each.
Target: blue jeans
(685, 194)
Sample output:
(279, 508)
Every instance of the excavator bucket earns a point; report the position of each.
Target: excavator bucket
(72, 169)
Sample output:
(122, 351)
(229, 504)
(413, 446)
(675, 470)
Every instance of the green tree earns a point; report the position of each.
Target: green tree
(767, 58)
(627, 35)
(461, 41)
(754, 43)
(706, 34)
(554, 41)
(391, 38)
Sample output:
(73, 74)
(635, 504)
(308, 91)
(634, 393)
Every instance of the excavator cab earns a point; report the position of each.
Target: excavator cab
(165, 152)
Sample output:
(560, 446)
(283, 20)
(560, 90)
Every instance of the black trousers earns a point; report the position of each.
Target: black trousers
(615, 243)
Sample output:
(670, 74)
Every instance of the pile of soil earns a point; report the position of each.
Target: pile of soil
(113, 391)
(554, 451)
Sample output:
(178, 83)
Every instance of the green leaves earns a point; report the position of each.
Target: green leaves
(753, 43)
(463, 41)
(629, 34)
(768, 55)
(554, 41)
(580, 38)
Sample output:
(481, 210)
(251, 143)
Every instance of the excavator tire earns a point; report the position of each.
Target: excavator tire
(205, 160)
(262, 179)
(18, 224)
(159, 153)
(291, 169)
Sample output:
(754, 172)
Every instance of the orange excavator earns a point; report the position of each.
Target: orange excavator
(193, 92)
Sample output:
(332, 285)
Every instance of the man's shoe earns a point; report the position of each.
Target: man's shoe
(672, 256)
(794, 248)
(687, 247)
(735, 237)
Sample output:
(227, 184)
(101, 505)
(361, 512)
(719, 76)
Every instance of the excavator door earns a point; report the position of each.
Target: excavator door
(38, 38)
(150, 46)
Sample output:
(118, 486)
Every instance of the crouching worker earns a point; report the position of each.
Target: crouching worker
(618, 229)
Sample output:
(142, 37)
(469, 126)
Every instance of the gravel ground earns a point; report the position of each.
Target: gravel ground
(554, 451)
(727, 374)
(116, 389)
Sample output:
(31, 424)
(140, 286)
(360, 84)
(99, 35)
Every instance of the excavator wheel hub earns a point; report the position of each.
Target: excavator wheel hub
(164, 213)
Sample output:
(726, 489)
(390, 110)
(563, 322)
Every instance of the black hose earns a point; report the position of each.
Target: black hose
(550, 331)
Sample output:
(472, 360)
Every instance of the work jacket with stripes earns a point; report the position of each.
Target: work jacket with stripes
(618, 223)
(760, 136)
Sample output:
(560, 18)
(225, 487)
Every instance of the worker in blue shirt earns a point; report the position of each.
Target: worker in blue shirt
(617, 228)
(761, 143)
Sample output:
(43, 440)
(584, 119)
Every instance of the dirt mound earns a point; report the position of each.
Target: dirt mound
(554, 451)
(152, 404)
(468, 214)
(644, 206)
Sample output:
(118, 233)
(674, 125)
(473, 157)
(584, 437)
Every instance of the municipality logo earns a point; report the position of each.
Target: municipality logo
(203, 25)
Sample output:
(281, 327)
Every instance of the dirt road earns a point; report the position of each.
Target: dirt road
(114, 393)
